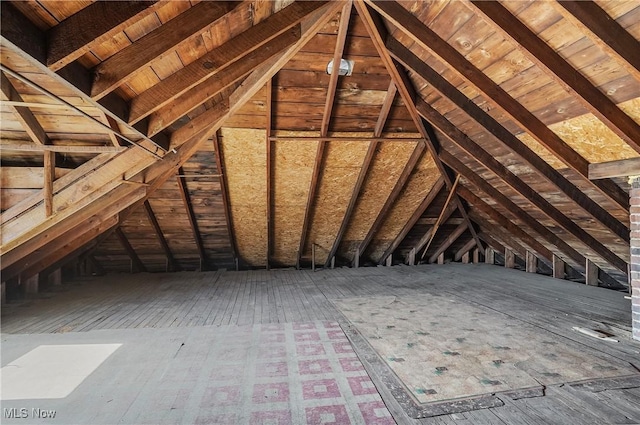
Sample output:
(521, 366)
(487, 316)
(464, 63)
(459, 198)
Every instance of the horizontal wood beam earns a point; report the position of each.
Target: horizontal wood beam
(562, 72)
(485, 158)
(620, 168)
(28, 147)
(504, 136)
(91, 26)
(116, 69)
(347, 139)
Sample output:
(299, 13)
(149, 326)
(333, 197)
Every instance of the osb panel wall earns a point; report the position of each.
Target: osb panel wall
(417, 188)
(588, 136)
(292, 164)
(343, 161)
(245, 161)
(385, 170)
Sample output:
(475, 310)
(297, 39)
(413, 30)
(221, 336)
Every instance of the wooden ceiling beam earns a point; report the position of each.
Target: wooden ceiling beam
(28, 147)
(485, 158)
(353, 199)
(118, 68)
(453, 236)
(224, 190)
(171, 261)
(378, 34)
(193, 221)
(219, 58)
(604, 31)
(208, 89)
(437, 187)
(341, 39)
(477, 203)
(21, 37)
(504, 136)
(562, 72)
(137, 264)
(514, 209)
(91, 26)
(23, 114)
(621, 168)
(408, 169)
(429, 40)
(386, 108)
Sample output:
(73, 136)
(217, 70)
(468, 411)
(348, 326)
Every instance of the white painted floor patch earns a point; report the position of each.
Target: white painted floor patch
(52, 371)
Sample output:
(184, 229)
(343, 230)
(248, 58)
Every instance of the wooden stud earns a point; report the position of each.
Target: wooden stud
(605, 32)
(531, 262)
(437, 187)
(49, 177)
(92, 26)
(558, 267)
(172, 265)
(333, 262)
(269, 176)
(476, 256)
(508, 139)
(411, 257)
(136, 264)
(562, 72)
(116, 69)
(440, 258)
(432, 42)
(453, 236)
(489, 256)
(509, 258)
(465, 256)
(356, 259)
(485, 158)
(313, 257)
(591, 273)
(193, 222)
(389, 261)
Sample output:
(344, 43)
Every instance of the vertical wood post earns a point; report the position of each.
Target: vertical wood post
(356, 259)
(509, 258)
(31, 285)
(591, 273)
(476, 256)
(558, 267)
(465, 258)
(389, 260)
(49, 177)
(634, 266)
(333, 262)
(441, 258)
(55, 278)
(313, 257)
(531, 262)
(411, 257)
(489, 256)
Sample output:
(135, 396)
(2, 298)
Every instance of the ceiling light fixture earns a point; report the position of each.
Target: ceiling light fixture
(346, 67)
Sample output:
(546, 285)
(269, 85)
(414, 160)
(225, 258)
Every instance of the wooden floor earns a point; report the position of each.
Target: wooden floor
(278, 296)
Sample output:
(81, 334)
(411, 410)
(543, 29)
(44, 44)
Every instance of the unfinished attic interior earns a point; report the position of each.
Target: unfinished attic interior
(385, 181)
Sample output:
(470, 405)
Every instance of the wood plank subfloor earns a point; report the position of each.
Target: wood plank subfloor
(193, 300)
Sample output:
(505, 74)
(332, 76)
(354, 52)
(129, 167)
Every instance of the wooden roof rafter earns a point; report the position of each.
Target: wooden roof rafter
(269, 165)
(193, 222)
(464, 142)
(505, 137)
(326, 119)
(172, 264)
(604, 31)
(224, 190)
(24, 115)
(427, 39)
(378, 34)
(561, 71)
(135, 260)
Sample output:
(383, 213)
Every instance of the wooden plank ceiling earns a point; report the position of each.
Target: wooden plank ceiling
(181, 135)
